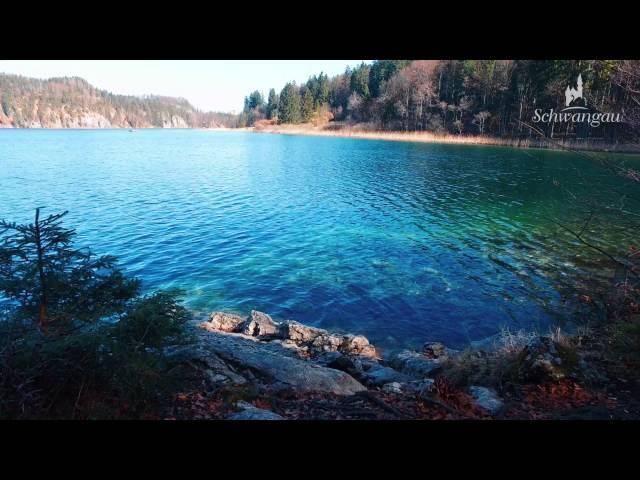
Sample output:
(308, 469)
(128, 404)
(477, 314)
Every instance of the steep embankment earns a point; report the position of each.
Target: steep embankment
(74, 103)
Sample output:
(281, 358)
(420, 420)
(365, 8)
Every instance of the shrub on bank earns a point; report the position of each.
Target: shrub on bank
(77, 340)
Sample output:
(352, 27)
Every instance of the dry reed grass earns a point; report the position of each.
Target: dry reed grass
(367, 132)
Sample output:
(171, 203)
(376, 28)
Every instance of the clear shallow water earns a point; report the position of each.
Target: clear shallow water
(401, 242)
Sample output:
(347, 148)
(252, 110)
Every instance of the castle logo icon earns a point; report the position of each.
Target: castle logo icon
(576, 110)
(572, 94)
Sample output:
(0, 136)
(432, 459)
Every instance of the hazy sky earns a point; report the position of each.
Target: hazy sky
(218, 85)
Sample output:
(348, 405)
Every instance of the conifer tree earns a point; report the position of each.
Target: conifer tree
(289, 108)
(306, 105)
(272, 105)
(51, 282)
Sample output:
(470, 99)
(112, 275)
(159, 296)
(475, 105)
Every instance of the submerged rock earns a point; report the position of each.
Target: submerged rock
(487, 398)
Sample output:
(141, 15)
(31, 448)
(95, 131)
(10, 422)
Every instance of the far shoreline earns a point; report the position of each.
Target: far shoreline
(355, 132)
(326, 130)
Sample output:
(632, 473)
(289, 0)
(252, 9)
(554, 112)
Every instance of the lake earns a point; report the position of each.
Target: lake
(400, 242)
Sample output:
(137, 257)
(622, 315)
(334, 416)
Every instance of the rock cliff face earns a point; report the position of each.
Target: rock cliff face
(74, 103)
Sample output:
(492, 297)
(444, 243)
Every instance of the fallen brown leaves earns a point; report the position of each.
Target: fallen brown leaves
(549, 400)
(198, 406)
(459, 401)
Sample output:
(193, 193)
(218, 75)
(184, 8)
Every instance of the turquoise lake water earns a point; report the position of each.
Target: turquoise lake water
(401, 242)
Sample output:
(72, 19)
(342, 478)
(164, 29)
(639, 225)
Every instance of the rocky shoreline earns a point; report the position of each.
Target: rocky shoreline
(236, 351)
(255, 368)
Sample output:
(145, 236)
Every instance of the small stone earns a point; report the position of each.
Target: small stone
(251, 412)
(426, 386)
(393, 387)
(487, 399)
(255, 414)
(242, 405)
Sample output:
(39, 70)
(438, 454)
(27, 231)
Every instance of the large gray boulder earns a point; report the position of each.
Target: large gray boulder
(274, 364)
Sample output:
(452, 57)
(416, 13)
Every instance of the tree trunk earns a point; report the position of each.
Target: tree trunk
(42, 315)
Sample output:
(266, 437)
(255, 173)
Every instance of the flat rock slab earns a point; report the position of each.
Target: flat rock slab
(277, 364)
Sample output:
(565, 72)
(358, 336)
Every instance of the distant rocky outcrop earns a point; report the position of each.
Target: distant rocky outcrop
(71, 102)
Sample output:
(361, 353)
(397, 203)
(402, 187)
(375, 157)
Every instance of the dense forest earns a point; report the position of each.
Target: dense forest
(71, 102)
(478, 97)
(497, 98)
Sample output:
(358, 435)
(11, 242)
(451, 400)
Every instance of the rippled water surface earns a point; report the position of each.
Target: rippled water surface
(400, 242)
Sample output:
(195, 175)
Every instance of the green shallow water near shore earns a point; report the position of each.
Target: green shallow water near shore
(401, 242)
